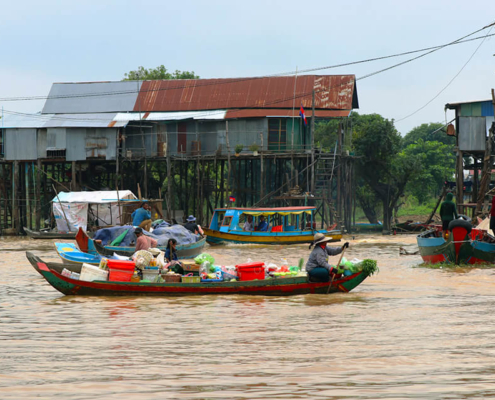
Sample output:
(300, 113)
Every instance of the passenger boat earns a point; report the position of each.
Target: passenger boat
(49, 234)
(464, 245)
(284, 226)
(266, 287)
(88, 245)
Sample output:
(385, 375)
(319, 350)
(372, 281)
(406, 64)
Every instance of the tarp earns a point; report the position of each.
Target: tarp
(161, 235)
(75, 206)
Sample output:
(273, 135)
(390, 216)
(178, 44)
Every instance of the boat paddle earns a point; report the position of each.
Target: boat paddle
(338, 264)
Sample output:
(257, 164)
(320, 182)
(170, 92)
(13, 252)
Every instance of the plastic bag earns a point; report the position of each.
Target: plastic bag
(142, 258)
(160, 260)
(204, 257)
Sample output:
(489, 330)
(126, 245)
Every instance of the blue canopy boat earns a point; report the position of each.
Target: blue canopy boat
(286, 225)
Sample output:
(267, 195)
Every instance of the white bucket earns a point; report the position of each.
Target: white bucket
(91, 273)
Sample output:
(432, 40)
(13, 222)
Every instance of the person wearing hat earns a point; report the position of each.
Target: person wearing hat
(192, 226)
(142, 217)
(143, 242)
(317, 267)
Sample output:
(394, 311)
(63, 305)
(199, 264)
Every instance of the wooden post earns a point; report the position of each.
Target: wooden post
(262, 178)
(37, 201)
(313, 144)
(169, 183)
(28, 205)
(73, 182)
(229, 166)
(15, 209)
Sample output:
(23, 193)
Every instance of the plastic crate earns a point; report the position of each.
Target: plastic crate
(171, 278)
(120, 271)
(90, 273)
(251, 271)
(150, 274)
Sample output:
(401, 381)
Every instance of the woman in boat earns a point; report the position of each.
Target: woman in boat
(170, 252)
(317, 267)
(192, 226)
(448, 212)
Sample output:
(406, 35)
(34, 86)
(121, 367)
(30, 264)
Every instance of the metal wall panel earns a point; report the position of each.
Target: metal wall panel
(84, 143)
(20, 144)
(56, 139)
(42, 143)
(472, 133)
(487, 109)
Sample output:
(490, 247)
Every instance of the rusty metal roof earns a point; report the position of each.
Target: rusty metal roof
(261, 113)
(332, 92)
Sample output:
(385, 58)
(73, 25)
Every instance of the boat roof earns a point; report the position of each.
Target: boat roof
(272, 209)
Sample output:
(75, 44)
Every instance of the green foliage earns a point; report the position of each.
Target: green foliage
(238, 148)
(159, 72)
(368, 201)
(413, 207)
(425, 132)
(437, 165)
(326, 134)
(369, 267)
(254, 147)
(380, 162)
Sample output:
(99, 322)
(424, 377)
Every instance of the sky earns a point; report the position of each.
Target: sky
(66, 41)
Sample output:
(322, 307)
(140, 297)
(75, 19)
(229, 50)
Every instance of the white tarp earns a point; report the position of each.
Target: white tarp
(74, 207)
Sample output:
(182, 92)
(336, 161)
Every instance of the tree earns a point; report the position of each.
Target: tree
(437, 165)
(157, 73)
(425, 132)
(380, 162)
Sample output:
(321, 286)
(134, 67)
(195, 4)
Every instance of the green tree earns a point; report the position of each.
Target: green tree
(428, 132)
(157, 73)
(380, 162)
(437, 165)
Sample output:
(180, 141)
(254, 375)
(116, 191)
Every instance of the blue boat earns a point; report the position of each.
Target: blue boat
(286, 225)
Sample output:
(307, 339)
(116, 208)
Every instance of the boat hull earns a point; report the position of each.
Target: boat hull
(284, 238)
(57, 267)
(459, 248)
(269, 287)
(49, 235)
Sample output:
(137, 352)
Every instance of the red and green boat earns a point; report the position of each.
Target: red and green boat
(464, 245)
(266, 287)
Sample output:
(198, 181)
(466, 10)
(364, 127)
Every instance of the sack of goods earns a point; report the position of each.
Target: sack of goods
(142, 258)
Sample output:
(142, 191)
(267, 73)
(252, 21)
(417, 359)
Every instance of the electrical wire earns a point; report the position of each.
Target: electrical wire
(449, 83)
(235, 80)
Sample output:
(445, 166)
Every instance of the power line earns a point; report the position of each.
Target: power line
(235, 80)
(450, 82)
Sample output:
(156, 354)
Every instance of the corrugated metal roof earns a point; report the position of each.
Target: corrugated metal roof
(171, 116)
(285, 113)
(103, 120)
(24, 120)
(92, 97)
(333, 92)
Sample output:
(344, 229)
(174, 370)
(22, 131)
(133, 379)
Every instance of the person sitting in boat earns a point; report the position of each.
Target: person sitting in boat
(142, 217)
(448, 212)
(192, 226)
(263, 225)
(171, 252)
(143, 242)
(317, 267)
(248, 225)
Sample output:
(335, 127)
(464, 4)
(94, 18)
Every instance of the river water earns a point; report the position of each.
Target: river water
(407, 333)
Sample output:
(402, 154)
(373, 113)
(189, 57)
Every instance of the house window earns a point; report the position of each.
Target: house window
(277, 134)
(227, 221)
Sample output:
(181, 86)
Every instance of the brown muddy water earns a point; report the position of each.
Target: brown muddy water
(407, 333)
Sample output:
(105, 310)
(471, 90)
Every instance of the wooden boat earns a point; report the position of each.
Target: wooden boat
(58, 267)
(268, 287)
(49, 234)
(364, 227)
(88, 245)
(464, 245)
(409, 226)
(71, 255)
(225, 226)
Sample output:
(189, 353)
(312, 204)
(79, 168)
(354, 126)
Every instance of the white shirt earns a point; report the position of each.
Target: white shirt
(248, 226)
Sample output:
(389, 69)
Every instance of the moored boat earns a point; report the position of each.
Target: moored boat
(268, 287)
(88, 245)
(464, 245)
(283, 226)
(49, 234)
(365, 227)
(58, 267)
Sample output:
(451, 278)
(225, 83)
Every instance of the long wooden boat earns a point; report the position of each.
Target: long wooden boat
(365, 227)
(88, 245)
(410, 226)
(49, 234)
(284, 221)
(268, 287)
(58, 267)
(464, 245)
(71, 255)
